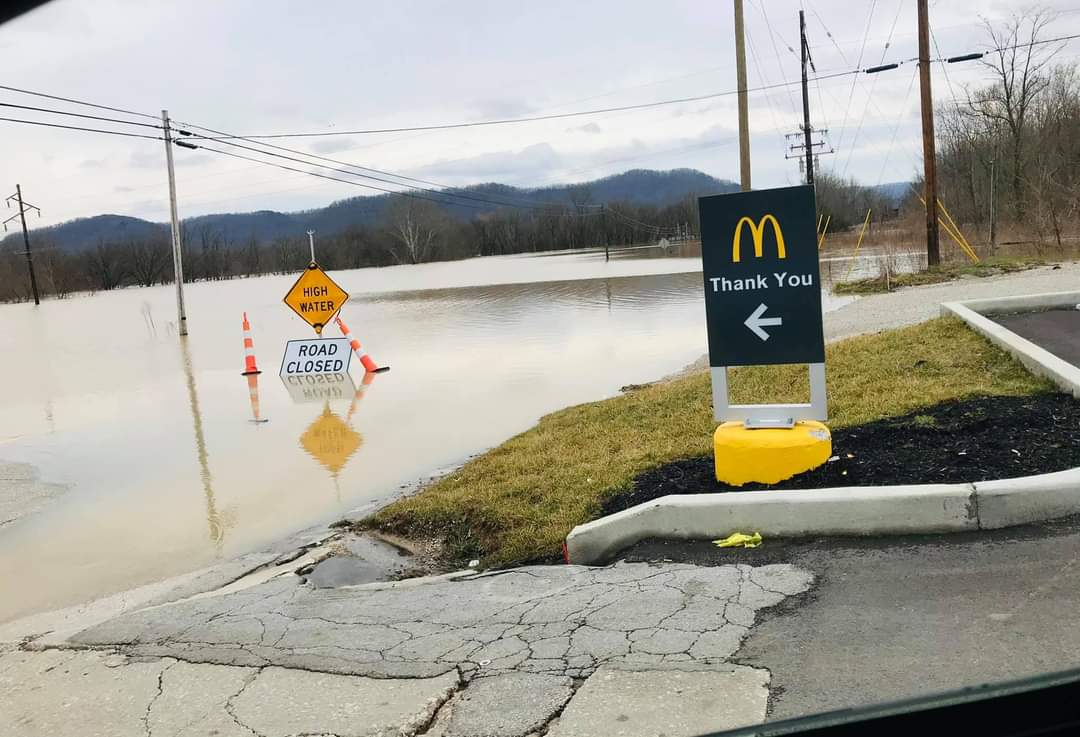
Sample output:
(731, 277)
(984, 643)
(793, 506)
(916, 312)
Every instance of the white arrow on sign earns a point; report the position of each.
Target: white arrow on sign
(755, 322)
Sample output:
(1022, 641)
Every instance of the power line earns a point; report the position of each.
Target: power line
(870, 94)
(353, 182)
(761, 80)
(776, 50)
(858, 63)
(79, 128)
(77, 102)
(227, 138)
(944, 67)
(77, 115)
(436, 193)
(579, 113)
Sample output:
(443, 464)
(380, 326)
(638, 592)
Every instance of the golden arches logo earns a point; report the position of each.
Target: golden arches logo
(757, 232)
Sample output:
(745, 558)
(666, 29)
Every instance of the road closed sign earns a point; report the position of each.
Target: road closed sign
(762, 281)
(316, 356)
(315, 297)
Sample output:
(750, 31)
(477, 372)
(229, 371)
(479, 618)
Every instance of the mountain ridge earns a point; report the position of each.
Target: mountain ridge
(639, 186)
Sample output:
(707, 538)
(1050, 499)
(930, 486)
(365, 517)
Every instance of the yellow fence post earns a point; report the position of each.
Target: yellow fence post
(858, 244)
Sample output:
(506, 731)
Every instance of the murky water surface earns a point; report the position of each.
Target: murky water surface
(154, 435)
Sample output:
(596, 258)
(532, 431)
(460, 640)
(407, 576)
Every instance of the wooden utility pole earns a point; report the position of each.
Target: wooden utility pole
(933, 254)
(807, 131)
(744, 113)
(178, 261)
(23, 205)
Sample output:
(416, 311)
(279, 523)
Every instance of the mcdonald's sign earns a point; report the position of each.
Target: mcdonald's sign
(757, 232)
(762, 283)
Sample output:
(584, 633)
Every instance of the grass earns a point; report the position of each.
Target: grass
(946, 272)
(517, 502)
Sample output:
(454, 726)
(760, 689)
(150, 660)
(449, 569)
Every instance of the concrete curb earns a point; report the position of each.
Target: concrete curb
(862, 511)
(1037, 360)
(853, 511)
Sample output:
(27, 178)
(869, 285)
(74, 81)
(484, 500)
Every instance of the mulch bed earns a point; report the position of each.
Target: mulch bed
(953, 442)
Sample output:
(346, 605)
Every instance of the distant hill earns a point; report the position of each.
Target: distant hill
(895, 192)
(640, 186)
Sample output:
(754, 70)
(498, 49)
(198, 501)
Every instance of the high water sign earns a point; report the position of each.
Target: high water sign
(315, 297)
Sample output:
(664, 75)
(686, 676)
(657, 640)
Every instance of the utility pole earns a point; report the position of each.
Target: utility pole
(933, 254)
(806, 102)
(993, 220)
(744, 113)
(26, 236)
(804, 147)
(603, 226)
(178, 261)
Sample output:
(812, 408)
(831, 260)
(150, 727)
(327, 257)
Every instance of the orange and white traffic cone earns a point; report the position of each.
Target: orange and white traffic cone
(253, 395)
(369, 364)
(249, 351)
(369, 377)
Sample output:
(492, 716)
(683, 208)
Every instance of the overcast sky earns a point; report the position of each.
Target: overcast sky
(279, 66)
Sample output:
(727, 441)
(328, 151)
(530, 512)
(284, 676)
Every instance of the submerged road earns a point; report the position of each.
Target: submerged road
(892, 618)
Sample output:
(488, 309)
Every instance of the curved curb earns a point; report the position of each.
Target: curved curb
(850, 511)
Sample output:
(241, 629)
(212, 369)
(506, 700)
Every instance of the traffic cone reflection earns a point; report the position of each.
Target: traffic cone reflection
(249, 351)
(369, 377)
(369, 364)
(253, 395)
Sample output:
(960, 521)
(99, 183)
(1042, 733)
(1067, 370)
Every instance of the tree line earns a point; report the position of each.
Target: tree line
(1010, 150)
(410, 231)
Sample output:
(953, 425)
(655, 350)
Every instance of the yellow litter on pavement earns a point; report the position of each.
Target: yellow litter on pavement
(739, 540)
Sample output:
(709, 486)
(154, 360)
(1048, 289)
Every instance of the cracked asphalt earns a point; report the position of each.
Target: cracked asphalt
(499, 654)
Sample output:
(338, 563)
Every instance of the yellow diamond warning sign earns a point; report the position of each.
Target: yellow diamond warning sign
(330, 440)
(315, 297)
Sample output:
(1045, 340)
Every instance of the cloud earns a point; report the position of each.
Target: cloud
(93, 164)
(156, 160)
(522, 165)
(500, 108)
(146, 159)
(333, 144)
(123, 190)
(593, 127)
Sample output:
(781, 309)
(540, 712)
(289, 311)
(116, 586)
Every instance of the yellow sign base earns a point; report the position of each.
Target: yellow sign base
(769, 455)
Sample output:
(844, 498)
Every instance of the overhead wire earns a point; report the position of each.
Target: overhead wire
(776, 51)
(79, 115)
(414, 194)
(579, 113)
(870, 93)
(79, 102)
(762, 80)
(854, 80)
(445, 189)
(80, 128)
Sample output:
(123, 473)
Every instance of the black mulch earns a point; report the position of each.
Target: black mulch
(953, 442)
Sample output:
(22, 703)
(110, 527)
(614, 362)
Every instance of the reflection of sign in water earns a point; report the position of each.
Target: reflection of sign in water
(330, 440)
(320, 387)
(315, 297)
(316, 356)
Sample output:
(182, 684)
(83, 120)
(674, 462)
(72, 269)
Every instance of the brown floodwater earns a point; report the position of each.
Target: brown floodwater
(153, 435)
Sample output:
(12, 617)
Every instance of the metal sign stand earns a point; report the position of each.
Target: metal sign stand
(758, 416)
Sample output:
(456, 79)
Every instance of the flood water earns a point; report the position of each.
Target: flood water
(154, 437)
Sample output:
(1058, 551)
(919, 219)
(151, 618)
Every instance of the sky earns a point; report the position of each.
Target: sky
(253, 67)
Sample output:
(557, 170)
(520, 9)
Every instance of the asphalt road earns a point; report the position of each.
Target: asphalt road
(891, 618)
(1058, 331)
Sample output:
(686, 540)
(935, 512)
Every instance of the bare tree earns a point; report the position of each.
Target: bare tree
(417, 225)
(148, 261)
(1021, 67)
